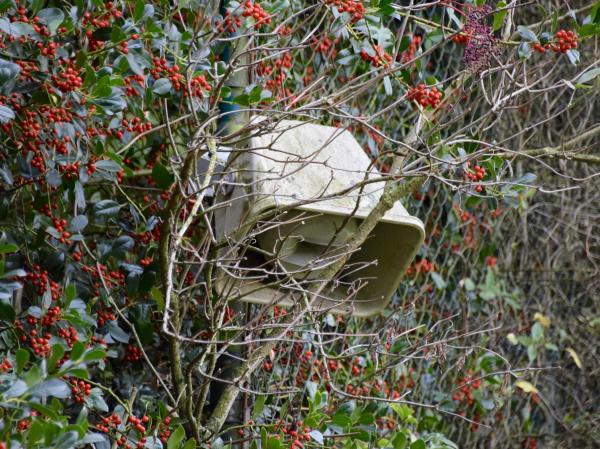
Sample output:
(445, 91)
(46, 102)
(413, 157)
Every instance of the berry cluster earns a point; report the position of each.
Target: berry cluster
(465, 389)
(80, 390)
(257, 12)
(68, 80)
(229, 23)
(425, 97)
(60, 224)
(132, 353)
(475, 175)
(409, 53)
(112, 421)
(39, 345)
(130, 90)
(491, 261)
(52, 316)
(165, 432)
(353, 7)
(460, 38)
(423, 266)
(69, 335)
(40, 280)
(137, 423)
(298, 432)
(566, 40)
(5, 366)
(376, 56)
(325, 46)
(105, 315)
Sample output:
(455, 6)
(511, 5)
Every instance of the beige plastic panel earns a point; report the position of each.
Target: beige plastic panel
(307, 165)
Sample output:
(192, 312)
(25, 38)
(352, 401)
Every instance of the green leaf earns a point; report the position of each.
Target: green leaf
(499, 16)
(417, 444)
(67, 440)
(189, 444)
(438, 280)
(94, 354)
(22, 357)
(527, 34)
(537, 332)
(106, 208)
(17, 388)
(52, 387)
(138, 10)
(8, 248)
(158, 297)
(57, 352)
(259, 406)
(52, 18)
(161, 86)
(588, 76)
(524, 50)
(573, 56)
(161, 175)
(77, 351)
(6, 114)
(176, 438)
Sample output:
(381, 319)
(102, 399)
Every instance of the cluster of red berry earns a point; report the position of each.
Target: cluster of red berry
(165, 431)
(130, 90)
(325, 46)
(52, 316)
(424, 96)
(69, 334)
(132, 353)
(376, 56)
(409, 53)
(491, 261)
(477, 174)
(80, 390)
(70, 171)
(461, 38)
(565, 40)
(424, 266)
(68, 80)
(465, 389)
(353, 7)
(105, 315)
(256, 11)
(5, 366)
(112, 278)
(60, 223)
(39, 345)
(197, 84)
(113, 420)
(40, 280)
(229, 23)
(298, 432)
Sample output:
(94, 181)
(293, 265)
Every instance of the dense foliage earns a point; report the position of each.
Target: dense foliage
(101, 104)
